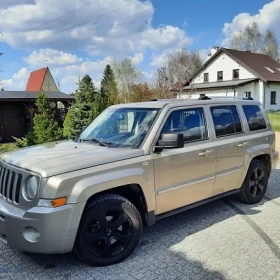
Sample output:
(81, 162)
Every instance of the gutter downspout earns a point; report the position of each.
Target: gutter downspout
(264, 86)
(234, 92)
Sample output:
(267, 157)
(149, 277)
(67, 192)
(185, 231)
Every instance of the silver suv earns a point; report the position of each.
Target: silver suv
(133, 165)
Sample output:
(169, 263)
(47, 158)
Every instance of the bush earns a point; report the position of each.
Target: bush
(29, 140)
(4, 148)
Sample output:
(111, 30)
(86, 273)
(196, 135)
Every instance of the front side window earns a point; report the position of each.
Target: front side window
(226, 120)
(121, 126)
(254, 117)
(190, 122)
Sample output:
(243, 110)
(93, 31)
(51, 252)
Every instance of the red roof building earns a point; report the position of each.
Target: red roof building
(41, 80)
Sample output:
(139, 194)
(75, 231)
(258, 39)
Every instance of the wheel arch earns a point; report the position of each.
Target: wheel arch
(135, 194)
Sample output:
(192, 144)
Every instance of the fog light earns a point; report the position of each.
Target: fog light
(31, 234)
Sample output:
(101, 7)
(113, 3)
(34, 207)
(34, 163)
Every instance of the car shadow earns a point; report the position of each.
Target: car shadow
(154, 258)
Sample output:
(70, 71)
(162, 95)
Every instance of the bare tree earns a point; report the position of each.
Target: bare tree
(270, 46)
(126, 75)
(250, 39)
(178, 69)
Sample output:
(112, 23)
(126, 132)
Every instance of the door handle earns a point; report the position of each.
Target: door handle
(245, 144)
(204, 153)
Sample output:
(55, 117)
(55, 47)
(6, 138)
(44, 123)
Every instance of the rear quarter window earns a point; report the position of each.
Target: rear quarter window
(254, 117)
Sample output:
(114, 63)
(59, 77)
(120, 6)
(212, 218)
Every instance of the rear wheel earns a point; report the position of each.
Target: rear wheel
(109, 231)
(255, 183)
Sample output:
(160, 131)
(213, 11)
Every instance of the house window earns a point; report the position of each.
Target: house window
(273, 98)
(206, 77)
(235, 74)
(220, 75)
(248, 94)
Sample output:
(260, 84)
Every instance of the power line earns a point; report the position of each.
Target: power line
(89, 20)
(63, 15)
(109, 23)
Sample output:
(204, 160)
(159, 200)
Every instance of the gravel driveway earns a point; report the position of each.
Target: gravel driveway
(221, 240)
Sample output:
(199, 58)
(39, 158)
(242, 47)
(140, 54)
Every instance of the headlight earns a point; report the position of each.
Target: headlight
(31, 187)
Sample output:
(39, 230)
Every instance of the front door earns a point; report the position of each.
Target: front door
(186, 175)
(231, 146)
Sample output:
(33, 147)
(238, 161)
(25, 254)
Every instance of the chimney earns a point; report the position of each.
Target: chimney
(213, 50)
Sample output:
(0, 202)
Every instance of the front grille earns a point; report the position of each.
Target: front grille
(10, 183)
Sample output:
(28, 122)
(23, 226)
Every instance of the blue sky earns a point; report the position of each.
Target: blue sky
(82, 36)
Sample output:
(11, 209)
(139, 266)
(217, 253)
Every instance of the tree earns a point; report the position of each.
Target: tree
(126, 75)
(250, 39)
(46, 128)
(109, 86)
(82, 111)
(179, 67)
(141, 92)
(270, 45)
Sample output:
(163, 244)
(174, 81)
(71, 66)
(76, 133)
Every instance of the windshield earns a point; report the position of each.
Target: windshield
(121, 126)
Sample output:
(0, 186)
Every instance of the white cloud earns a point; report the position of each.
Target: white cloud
(9, 3)
(18, 81)
(68, 75)
(165, 38)
(5, 84)
(267, 18)
(158, 60)
(127, 29)
(204, 54)
(137, 58)
(52, 58)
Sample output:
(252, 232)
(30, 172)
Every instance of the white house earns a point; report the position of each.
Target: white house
(237, 73)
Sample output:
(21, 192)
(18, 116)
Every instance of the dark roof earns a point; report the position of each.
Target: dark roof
(36, 79)
(32, 95)
(253, 62)
(256, 64)
(223, 84)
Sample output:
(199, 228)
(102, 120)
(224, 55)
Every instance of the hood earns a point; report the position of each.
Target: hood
(61, 157)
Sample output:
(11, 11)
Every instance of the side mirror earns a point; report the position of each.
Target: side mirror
(170, 141)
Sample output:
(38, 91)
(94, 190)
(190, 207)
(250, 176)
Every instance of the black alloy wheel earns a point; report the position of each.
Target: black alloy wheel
(109, 232)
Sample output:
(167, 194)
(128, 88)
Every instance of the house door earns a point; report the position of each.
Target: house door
(13, 120)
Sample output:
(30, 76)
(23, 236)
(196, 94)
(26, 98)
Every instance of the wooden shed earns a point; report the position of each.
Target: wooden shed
(17, 110)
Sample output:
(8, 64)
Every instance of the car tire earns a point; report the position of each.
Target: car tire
(110, 229)
(255, 183)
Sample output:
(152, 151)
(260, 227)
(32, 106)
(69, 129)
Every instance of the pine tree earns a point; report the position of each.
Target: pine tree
(109, 86)
(46, 128)
(82, 111)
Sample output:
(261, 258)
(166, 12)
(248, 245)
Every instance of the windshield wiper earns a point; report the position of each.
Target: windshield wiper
(95, 140)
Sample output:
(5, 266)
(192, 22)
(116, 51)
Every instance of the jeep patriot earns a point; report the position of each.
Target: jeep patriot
(134, 164)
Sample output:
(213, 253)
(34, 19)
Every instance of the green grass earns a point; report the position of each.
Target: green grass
(275, 120)
(7, 147)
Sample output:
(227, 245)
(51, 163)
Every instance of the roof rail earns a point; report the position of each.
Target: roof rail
(225, 97)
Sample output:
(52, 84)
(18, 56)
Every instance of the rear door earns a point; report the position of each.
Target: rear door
(231, 145)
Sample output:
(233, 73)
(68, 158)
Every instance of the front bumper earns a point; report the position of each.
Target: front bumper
(40, 229)
(274, 159)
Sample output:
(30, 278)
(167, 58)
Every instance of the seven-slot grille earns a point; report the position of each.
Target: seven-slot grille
(10, 183)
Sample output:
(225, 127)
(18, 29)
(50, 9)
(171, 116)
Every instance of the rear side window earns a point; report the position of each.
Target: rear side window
(254, 117)
(226, 120)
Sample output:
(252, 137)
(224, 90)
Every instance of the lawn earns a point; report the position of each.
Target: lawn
(275, 120)
(7, 147)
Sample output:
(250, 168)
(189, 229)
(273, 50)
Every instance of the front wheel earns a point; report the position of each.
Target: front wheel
(255, 183)
(109, 231)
